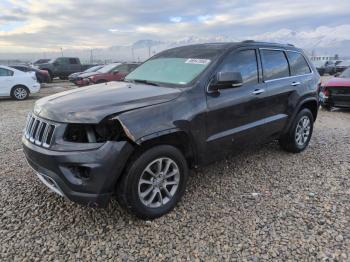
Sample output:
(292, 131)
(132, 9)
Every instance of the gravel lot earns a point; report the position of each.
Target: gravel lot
(264, 204)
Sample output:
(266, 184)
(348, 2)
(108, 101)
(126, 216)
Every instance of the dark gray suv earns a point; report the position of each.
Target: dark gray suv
(183, 108)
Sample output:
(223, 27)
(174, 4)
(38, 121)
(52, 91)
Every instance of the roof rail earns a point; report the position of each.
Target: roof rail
(248, 41)
(290, 44)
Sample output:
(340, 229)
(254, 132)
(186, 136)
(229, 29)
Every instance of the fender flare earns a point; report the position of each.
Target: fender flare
(297, 109)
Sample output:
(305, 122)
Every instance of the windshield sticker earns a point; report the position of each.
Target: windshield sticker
(197, 61)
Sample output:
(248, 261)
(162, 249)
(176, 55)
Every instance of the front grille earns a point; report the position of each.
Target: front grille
(39, 131)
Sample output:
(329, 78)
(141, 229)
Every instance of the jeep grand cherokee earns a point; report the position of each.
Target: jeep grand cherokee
(183, 108)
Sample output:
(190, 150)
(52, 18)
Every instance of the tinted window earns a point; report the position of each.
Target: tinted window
(5, 72)
(132, 67)
(298, 64)
(61, 60)
(73, 61)
(275, 64)
(243, 62)
(122, 68)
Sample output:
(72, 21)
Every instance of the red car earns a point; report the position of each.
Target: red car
(336, 91)
(111, 72)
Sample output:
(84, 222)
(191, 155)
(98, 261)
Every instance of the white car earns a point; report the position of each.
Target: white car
(17, 84)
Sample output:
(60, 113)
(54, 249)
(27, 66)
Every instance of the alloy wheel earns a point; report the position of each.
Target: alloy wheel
(20, 93)
(159, 182)
(302, 131)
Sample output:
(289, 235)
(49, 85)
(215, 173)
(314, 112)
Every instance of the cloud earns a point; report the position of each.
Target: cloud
(49, 25)
(175, 19)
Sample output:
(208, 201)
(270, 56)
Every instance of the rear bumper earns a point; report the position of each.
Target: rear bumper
(85, 177)
(35, 88)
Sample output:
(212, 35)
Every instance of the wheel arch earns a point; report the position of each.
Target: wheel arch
(309, 103)
(19, 85)
(312, 105)
(173, 137)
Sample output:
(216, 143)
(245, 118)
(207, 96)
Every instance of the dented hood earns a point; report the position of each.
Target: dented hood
(91, 104)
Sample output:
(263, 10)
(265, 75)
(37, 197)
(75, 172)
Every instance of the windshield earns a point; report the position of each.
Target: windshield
(107, 68)
(180, 71)
(92, 69)
(346, 73)
(178, 66)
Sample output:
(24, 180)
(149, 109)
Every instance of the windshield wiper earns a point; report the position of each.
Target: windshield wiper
(142, 82)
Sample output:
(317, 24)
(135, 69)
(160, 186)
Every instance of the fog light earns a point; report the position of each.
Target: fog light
(80, 172)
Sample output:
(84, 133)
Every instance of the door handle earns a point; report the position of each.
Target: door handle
(295, 83)
(258, 91)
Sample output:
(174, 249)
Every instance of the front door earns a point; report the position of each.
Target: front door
(235, 115)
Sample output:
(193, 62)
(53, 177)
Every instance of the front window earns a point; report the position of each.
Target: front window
(92, 69)
(107, 68)
(345, 74)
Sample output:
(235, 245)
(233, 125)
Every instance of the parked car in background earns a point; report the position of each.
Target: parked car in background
(17, 84)
(111, 72)
(326, 67)
(41, 61)
(73, 77)
(342, 66)
(184, 107)
(336, 91)
(62, 67)
(41, 75)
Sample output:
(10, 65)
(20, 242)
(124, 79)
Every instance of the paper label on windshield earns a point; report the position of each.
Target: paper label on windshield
(197, 61)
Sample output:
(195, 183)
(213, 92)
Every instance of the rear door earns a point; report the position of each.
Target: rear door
(6, 81)
(235, 115)
(280, 86)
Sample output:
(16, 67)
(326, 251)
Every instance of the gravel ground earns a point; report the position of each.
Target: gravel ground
(264, 204)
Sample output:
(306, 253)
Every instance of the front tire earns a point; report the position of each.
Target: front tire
(20, 92)
(154, 182)
(299, 135)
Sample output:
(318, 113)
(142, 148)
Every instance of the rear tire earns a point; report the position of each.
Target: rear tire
(20, 92)
(154, 182)
(299, 135)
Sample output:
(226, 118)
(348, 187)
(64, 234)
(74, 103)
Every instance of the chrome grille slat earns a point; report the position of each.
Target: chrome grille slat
(39, 131)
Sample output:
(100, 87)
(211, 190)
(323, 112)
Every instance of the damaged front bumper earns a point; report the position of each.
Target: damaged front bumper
(87, 177)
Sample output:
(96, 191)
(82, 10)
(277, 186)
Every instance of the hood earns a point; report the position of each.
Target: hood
(337, 81)
(91, 104)
(75, 74)
(85, 75)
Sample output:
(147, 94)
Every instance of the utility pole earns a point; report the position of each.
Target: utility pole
(61, 51)
(132, 54)
(149, 51)
(91, 57)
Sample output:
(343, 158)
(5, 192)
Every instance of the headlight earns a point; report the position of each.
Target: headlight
(108, 130)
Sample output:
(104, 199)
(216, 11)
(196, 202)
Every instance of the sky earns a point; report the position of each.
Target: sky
(39, 26)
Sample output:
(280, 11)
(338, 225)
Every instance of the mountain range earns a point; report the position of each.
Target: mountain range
(322, 41)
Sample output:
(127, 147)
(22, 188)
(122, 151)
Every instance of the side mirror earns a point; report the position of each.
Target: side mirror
(337, 74)
(224, 80)
(56, 63)
(115, 72)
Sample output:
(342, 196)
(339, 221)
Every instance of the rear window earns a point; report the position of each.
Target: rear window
(5, 72)
(298, 64)
(275, 64)
(73, 61)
